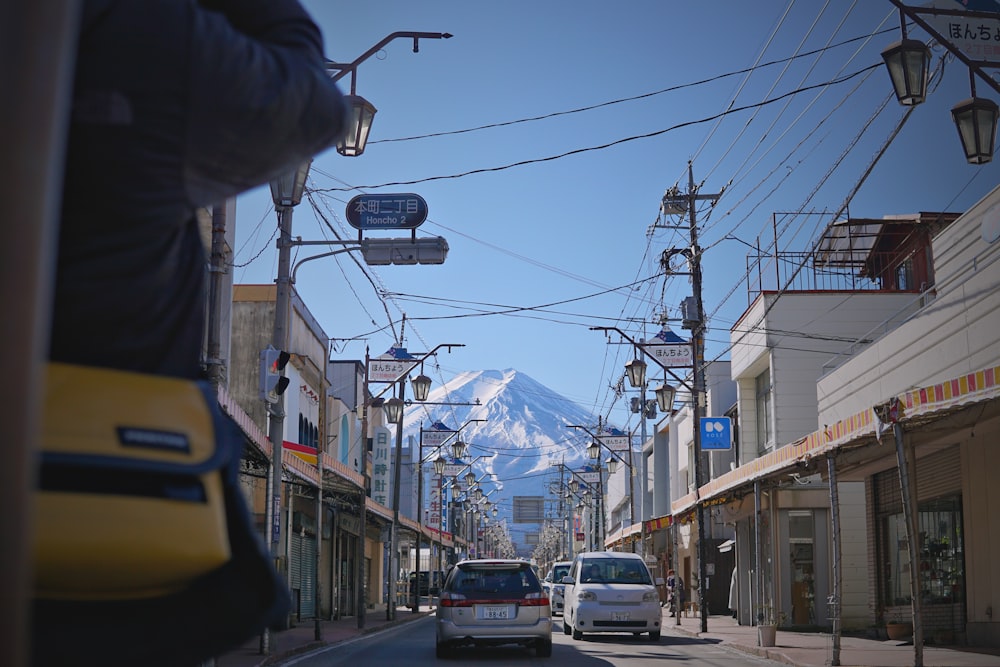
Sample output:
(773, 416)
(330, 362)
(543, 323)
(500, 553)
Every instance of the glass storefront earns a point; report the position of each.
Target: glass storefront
(940, 550)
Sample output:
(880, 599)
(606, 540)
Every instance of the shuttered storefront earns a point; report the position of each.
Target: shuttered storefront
(302, 563)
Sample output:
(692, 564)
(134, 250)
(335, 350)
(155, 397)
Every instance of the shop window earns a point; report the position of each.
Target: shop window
(942, 561)
(765, 435)
(940, 550)
(802, 545)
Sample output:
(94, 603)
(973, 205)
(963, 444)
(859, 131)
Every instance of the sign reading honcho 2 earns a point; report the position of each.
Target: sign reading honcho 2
(399, 211)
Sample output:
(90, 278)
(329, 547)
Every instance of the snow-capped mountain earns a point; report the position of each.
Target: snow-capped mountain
(523, 441)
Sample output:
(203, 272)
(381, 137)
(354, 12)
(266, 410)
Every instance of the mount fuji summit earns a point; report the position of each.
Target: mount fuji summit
(519, 448)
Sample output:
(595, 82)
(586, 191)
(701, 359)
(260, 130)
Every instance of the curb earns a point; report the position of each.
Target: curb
(278, 658)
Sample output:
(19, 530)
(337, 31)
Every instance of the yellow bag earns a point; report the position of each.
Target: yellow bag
(130, 500)
(142, 535)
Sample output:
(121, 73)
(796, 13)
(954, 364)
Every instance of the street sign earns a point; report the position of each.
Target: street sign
(387, 211)
(433, 437)
(668, 349)
(716, 433)
(388, 370)
(616, 443)
(454, 469)
(974, 36)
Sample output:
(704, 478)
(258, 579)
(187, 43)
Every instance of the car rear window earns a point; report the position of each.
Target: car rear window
(493, 581)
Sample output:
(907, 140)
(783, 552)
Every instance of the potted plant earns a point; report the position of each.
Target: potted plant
(897, 629)
(768, 620)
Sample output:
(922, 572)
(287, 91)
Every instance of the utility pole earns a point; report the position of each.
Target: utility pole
(276, 427)
(696, 322)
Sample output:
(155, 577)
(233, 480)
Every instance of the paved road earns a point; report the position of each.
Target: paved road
(412, 644)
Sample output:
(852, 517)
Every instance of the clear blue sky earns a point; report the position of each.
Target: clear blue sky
(542, 251)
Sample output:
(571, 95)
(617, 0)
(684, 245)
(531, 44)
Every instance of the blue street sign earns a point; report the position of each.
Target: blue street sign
(387, 211)
(716, 433)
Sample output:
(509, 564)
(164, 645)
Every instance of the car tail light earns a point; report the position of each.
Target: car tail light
(454, 600)
(535, 600)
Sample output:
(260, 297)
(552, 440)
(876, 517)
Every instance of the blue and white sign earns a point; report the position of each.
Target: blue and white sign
(387, 211)
(669, 349)
(716, 433)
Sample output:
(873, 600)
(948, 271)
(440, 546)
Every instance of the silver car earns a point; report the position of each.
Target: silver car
(554, 586)
(611, 591)
(492, 602)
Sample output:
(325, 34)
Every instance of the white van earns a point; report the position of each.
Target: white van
(610, 591)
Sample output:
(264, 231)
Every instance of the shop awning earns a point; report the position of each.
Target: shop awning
(917, 404)
(623, 535)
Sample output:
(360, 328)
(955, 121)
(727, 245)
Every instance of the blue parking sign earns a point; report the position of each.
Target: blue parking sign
(716, 433)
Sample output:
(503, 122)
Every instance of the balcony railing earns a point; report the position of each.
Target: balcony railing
(803, 272)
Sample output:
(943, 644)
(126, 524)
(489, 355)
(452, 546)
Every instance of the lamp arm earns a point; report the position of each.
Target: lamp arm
(642, 348)
(325, 254)
(352, 67)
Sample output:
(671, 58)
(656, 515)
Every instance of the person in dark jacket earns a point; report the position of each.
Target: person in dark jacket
(177, 105)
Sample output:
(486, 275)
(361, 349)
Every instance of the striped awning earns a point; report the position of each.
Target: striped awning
(936, 399)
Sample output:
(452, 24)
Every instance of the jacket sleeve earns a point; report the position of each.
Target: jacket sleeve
(261, 100)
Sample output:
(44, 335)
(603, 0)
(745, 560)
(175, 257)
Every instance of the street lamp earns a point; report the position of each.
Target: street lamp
(421, 386)
(362, 113)
(976, 120)
(636, 371)
(594, 450)
(287, 189)
(393, 409)
(908, 64)
(665, 398)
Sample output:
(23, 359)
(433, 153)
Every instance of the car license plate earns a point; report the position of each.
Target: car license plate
(496, 613)
(619, 616)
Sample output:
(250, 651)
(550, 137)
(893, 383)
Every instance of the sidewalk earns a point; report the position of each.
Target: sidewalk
(816, 649)
(302, 637)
